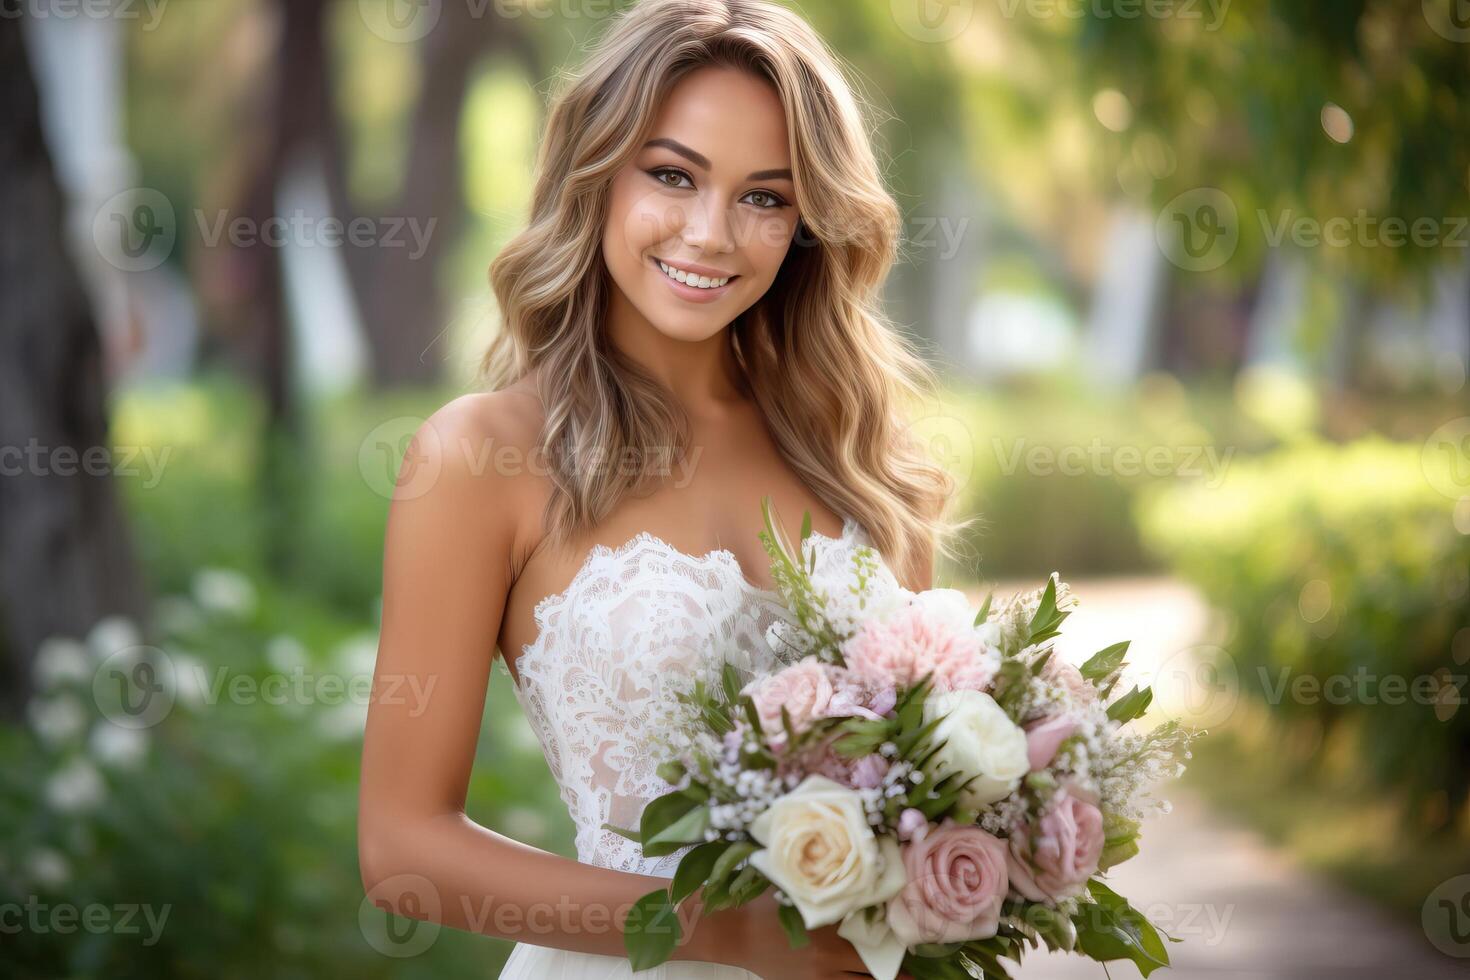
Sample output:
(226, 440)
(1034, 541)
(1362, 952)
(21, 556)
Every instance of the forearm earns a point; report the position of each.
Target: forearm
(452, 871)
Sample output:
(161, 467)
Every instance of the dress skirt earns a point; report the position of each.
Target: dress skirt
(530, 962)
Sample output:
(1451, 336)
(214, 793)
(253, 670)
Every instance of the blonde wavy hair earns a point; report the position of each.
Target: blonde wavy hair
(830, 375)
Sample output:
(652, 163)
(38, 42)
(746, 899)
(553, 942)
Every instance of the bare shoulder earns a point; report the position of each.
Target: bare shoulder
(474, 427)
(472, 461)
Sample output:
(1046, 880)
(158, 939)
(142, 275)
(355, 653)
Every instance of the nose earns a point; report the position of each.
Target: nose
(708, 227)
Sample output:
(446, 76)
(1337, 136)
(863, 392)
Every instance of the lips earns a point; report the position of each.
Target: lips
(693, 294)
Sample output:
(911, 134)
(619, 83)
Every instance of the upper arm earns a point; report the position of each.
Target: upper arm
(447, 568)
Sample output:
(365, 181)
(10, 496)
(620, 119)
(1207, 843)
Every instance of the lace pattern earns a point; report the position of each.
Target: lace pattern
(637, 624)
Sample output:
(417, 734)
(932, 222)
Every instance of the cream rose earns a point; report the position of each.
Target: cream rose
(820, 850)
(979, 740)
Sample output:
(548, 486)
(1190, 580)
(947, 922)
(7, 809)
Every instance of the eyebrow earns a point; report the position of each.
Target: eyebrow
(700, 160)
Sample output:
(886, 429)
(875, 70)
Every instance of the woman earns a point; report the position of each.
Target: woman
(689, 325)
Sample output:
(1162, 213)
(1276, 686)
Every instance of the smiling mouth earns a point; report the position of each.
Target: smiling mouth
(690, 279)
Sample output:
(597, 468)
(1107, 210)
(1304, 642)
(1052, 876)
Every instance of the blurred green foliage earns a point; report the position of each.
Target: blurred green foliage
(1344, 569)
(1051, 468)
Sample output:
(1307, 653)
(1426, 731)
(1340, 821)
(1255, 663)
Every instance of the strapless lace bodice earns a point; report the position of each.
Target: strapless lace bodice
(638, 624)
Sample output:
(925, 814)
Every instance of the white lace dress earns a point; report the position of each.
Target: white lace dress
(637, 624)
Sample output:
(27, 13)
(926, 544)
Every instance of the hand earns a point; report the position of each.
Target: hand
(752, 938)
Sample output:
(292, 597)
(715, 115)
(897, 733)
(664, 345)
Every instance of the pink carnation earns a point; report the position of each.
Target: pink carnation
(901, 648)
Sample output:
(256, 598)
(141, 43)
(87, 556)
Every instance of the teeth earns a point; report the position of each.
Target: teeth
(699, 282)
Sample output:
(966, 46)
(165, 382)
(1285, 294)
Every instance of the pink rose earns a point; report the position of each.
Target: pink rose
(1064, 675)
(957, 881)
(1054, 860)
(804, 689)
(901, 648)
(1045, 736)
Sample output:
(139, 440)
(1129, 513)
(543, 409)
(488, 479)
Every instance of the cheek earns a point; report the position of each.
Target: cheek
(639, 221)
(766, 244)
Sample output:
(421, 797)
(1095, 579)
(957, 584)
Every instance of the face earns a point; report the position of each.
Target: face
(708, 199)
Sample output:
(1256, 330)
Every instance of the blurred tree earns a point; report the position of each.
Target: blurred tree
(397, 288)
(65, 556)
(1344, 111)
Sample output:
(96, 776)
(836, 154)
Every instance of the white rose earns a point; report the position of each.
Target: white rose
(979, 740)
(820, 850)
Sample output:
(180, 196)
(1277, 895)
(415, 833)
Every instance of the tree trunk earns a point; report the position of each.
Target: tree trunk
(396, 287)
(65, 556)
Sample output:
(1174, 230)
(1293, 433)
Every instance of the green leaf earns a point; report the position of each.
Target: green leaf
(632, 835)
(730, 678)
(788, 727)
(717, 718)
(795, 928)
(1108, 928)
(1105, 662)
(1039, 664)
(984, 612)
(1131, 705)
(747, 880)
(694, 868)
(671, 771)
(1047, 617)
(752, 715)
(651, 931)
(1054, 928)
(738, 851)
(662, 812)
(688, 829)
(1120, 841)
(698, 792)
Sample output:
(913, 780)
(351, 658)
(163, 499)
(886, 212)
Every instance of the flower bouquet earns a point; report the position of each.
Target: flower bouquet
(927, 775)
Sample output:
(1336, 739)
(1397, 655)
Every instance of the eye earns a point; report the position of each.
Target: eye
(773, 200)
(661, 173)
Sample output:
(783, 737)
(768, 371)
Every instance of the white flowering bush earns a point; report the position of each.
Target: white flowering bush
(211, 830)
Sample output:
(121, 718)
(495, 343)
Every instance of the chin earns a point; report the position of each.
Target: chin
(682, 326)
